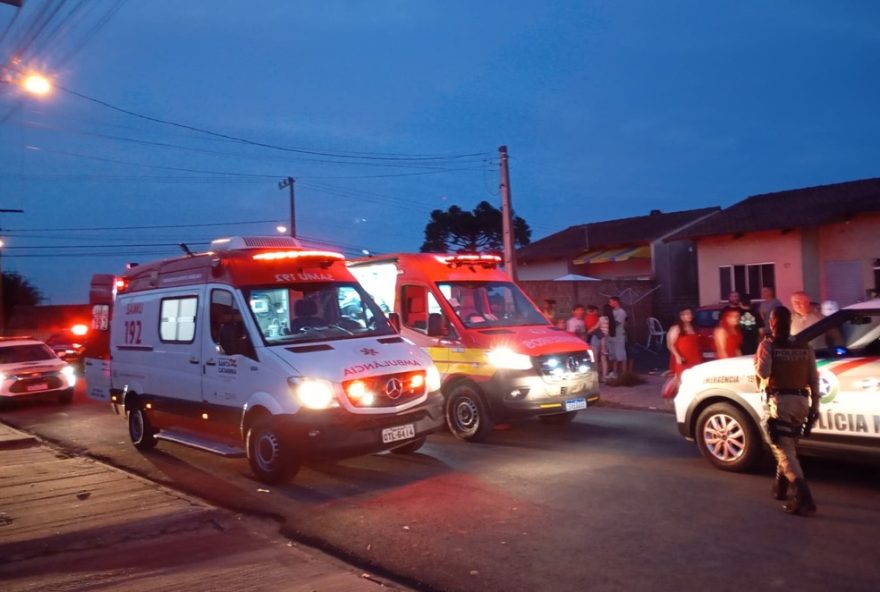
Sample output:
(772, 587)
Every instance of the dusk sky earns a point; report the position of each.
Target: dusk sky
(386, 110)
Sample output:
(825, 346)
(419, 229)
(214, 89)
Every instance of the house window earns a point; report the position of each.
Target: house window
(177, 322)
(746, 279)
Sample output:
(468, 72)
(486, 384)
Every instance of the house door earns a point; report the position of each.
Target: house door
(844, 282)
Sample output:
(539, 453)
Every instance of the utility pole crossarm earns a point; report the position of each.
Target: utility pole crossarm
(289, 182)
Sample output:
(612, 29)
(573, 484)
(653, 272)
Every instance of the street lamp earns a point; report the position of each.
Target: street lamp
(36, 84)
(32, 82)
(281, 229)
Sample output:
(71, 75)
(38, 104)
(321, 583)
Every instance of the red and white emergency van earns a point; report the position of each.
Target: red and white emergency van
(263, 348)
(499, 357)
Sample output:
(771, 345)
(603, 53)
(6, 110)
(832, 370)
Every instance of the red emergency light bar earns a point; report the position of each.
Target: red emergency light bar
(471, 259)
(278, 255)
(120, 284)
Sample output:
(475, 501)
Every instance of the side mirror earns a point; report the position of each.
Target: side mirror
(394, 321)
(435, 325)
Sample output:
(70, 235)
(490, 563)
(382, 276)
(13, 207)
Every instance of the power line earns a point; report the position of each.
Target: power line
(348, 155)
(154, 227)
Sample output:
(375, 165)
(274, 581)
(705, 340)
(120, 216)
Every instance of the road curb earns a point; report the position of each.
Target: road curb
(11, 438)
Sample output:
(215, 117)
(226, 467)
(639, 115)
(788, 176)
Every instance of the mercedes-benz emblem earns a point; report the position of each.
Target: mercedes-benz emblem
(393, 388)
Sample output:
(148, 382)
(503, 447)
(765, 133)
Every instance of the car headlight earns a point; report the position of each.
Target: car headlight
(3, 377)
(432, 377)
(70, 374)
(313, 393)
(503, 357)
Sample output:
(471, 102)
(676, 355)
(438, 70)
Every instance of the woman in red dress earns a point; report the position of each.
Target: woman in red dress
(683, 343)
(728, 337)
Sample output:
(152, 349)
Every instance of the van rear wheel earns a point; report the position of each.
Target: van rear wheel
(467, 415)
(267, 453)
(140, 430)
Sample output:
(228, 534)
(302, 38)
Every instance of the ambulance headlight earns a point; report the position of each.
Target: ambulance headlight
(432, 378)
(503, 357)
(70, 375)
(313, 393)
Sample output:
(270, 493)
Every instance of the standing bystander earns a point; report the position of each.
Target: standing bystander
(803, 314)
(617, 336)
(728, 337)
(575, 323)
(769, 301)
(683, 343)
(750, 325)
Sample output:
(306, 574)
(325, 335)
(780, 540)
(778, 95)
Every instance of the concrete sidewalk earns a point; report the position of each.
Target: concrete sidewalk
(640, 396)
(69, 523)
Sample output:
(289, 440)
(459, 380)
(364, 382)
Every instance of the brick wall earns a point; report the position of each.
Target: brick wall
(637, 297)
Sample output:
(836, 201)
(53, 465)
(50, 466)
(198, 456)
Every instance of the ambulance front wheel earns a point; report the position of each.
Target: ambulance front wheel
(466, 413)
(268, 455)
(140, 430)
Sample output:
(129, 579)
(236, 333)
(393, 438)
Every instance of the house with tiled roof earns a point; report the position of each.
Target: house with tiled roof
(824, 240)
(629, 249)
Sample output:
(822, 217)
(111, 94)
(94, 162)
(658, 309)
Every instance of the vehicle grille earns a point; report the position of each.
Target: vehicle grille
(387, 390)
(565, 366)
(25, 383)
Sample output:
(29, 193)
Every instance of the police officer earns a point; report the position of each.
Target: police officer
(787, 373)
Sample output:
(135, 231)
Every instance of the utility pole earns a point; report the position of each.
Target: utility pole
(2, 308)
(289, 182)
(507, 216)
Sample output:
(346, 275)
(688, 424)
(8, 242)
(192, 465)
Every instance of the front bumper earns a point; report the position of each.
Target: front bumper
(513, 394)
(337, 433)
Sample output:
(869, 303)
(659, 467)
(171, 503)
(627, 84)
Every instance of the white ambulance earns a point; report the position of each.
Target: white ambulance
(719, 405)
(263, 348)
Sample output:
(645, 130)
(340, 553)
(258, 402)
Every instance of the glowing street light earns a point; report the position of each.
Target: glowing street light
(36, 84)
(281, 229)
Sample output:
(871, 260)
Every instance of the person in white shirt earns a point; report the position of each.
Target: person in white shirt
(803, 314)
(617, 335)
(575, 323)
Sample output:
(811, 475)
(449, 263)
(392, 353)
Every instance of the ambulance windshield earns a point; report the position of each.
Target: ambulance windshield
(315, 311)
(490, 304)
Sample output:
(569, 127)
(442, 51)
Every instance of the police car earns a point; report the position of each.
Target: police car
(720, 407)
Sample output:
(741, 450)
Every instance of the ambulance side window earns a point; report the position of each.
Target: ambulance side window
(414, 306)
(228, 330)
(419, 306)
(177, 319)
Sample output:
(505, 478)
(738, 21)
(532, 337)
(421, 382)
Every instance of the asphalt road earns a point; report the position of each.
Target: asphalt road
(615, 501)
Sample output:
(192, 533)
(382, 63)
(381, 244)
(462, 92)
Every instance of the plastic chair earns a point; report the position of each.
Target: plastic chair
(655, 332)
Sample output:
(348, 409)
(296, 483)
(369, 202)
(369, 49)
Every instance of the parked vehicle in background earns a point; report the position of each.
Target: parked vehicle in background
(30, 369)
(705, 320)
(719, 405)
(69, 345)
(499, 356)
(263, 348)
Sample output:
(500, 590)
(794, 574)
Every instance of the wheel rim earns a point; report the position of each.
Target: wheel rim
(267, 449)
(136, 425)
(466, 415)
(725, 438)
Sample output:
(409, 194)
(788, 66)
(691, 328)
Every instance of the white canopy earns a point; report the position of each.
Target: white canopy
(573, 277)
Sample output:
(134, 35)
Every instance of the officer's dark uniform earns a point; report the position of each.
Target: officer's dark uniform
(789, 378)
